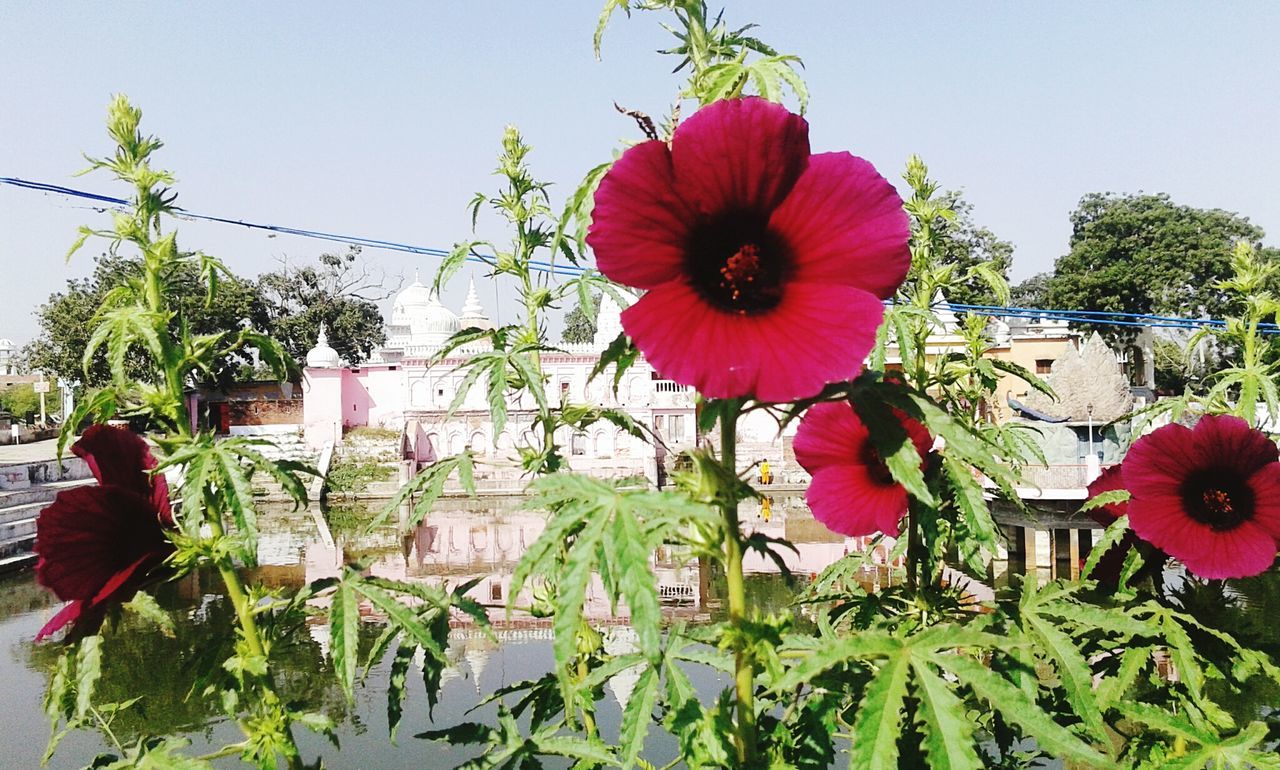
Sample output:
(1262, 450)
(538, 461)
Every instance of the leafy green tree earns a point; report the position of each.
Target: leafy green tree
(1148, 254)
(341, 291)
(65, 326)
(1033, 292)
(579, 324)
(967, 245)
(23, 401)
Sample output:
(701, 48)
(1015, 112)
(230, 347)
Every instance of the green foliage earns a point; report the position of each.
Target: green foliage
(355, 474)
(1148, 254)
(580, 322)
(340, 292)
(22, 401)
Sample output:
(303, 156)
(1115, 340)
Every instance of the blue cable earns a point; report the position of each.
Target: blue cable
(355, 240)
(1095, 317)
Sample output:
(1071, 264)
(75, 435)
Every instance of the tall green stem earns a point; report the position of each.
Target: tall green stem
(744, 664)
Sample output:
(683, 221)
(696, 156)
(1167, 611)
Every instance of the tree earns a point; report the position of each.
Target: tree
(65, 327)
(341, 291)
(1147, 254)
(1033, 292)
(968, 244)
(21, 400)
(579, 326)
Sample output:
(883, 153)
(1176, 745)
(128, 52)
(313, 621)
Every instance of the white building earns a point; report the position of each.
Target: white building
(404, 387)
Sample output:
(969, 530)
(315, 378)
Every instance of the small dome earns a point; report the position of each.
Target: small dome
(322, 356)
(6, 344)
(434, 323)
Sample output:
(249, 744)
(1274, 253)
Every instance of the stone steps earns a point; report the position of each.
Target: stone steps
(29, 489)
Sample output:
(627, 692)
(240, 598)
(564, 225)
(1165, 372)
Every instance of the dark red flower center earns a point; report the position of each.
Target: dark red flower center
(876, 468)
(1218, 498)
(735, 263)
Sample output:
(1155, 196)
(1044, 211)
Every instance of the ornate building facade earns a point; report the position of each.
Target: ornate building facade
(406, 387)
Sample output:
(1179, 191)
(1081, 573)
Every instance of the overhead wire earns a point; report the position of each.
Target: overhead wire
(1090, 317)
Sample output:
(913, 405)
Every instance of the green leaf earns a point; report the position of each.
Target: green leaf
(637, 715)
(144, 605)
(895, 448)
(88, 670)
(1021, 710)
(344, 620)
(629, 554)
(396, 687)
(948, 732)
(1111, 537)
(877, 724)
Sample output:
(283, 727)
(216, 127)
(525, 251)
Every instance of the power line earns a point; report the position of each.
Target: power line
(1090, 317)
(354, 240)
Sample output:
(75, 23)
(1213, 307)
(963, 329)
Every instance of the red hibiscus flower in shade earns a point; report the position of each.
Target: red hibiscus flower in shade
(1209, 497)
(96, 545)
(764, 266)
(852, 491)
(1112, 562)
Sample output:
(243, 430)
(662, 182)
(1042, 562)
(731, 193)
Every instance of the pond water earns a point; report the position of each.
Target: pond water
(462, 540)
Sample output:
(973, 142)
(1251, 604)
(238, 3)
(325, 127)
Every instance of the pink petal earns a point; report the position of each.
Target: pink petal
(1265, 485)
(125, 583)
(1228, 440)
(845, 224)
(1244, 551)
(1160, 520)
(829, 434)
(639, 225)
(848, 501)
(739, 155)
(1111, 479)
(88, 534)
(816, 335)
(69, 613)
(1159, 462)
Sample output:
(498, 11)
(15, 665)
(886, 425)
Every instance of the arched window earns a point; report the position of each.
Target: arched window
(479, 444)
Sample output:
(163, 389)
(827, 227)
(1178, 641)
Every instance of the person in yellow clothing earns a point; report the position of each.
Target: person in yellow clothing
(766, 475)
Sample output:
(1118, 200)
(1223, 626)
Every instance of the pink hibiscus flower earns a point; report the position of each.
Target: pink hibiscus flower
(764, 266)
(852, 491)
(1209, 497)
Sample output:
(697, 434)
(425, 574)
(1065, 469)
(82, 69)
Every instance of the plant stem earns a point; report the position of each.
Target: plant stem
(252, 636)
(913, 550)
(744, 665)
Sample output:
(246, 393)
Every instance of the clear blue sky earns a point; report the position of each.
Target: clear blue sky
(382, 119)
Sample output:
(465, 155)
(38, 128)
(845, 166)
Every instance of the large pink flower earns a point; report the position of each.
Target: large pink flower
(852, 491)
(96, 545)
(1209, 497)
(764, 266)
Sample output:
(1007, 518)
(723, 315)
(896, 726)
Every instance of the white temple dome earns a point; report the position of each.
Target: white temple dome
(322, 356)
(435, 322)
(415, 297)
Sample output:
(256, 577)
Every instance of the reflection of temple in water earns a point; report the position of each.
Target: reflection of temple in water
(470, 540)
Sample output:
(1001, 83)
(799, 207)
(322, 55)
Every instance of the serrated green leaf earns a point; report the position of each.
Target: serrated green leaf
(1021, 710)
(637, 716)
(877, 724)
(948, 733)
(88, 670)
(344, 620)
